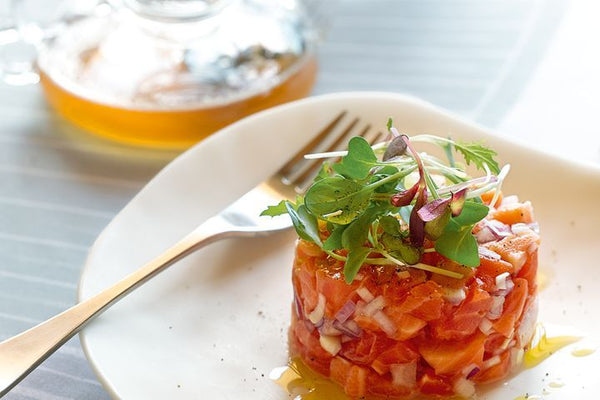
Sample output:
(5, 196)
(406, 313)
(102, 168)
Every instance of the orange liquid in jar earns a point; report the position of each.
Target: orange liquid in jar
(172, 128)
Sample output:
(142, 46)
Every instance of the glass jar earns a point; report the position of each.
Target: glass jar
(167, 73)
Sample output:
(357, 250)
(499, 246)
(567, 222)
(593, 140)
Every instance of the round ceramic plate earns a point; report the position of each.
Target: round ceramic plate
(214, 325)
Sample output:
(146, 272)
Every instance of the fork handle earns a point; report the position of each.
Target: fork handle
(21, 354)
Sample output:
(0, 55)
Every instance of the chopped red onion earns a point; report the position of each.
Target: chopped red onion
(497, 306)
(486, 234)
(498, 227)
(374, 305)
(473, 372)
(464, 388)
(486, 326)
(490, 362)
(317, 314)
(501, 281)
(328, 328)
(331, 344)
(502, 289)
(346, 311)
(534, 226)
(364, 294)
(485, 252)
(298, 306)
(349, 328)
(385, 323)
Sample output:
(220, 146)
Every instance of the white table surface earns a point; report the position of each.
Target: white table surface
(527, 68)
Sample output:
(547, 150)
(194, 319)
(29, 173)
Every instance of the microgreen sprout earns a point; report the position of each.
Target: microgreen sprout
(375, 213)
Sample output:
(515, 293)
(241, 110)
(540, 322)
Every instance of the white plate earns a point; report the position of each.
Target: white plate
(211, 326)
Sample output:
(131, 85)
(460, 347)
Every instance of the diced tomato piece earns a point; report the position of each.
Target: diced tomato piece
(431, 384)
(514, 213)
(448, 357)
(336, 291)
(453, 266)
(495, 372)
(356, 382)
(367, 323)
(400, 353)
(487, 198)
(339, 370)
(529, 271)
(513, 308)
(493, 342)
(424, 301)
(306, 289)
(489, 269)
(367, 348)
(464, 319)
(407, 326)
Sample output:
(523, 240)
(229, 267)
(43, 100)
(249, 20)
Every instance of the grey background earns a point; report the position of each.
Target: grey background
(60, 186)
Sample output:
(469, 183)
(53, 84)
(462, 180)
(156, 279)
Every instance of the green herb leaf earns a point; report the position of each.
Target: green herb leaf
(390, 225)
(355, 259)
(356, 234)
(359, 160)
(334, 241)
(383, 173)
(337, 199)
(324, 172)
(471, 213)
(275, 210)
(304, 222)
(458, 244)
(478, 154)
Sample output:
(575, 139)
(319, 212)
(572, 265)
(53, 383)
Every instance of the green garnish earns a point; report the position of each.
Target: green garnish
(366, 204)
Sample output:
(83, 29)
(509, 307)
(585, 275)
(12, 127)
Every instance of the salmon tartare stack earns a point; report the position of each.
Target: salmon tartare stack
(411, 277)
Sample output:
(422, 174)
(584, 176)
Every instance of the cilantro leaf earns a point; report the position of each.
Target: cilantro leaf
(275, 210)
(359, 160)
(478, 154)
(305, 223)
(355, 259)
(458, 244)
(337, 199)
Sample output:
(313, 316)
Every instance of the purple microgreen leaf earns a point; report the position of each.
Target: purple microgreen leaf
(458, 201)
(405, 197)
(397, 147)
(416, 224)
(434, 209)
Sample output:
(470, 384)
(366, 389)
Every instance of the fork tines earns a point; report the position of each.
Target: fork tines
(333, 137)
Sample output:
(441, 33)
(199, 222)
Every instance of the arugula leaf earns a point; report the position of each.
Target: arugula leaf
(458, 244)
(334, 241)
(337, 199)
(278, 209)
(471, 213)
(478, 154)
(358, 162)
(305, 223)
(355, 259)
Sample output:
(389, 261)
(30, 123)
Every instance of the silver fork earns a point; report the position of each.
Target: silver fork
(21, 354)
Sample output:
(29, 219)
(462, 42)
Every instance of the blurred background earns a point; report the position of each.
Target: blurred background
(528, 69)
